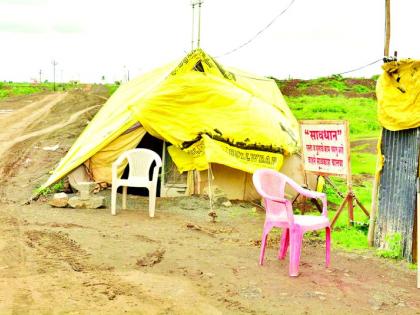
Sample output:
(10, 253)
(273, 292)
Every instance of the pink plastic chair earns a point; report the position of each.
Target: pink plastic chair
(279, 213)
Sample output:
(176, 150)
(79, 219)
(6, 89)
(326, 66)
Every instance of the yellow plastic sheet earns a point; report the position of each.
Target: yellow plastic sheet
(99, 164)
(210, 114)
(111, 121)
(207, 150)
(398, 93)
(211, 119)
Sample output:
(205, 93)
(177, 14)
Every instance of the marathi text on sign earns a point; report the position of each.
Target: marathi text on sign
(324, 147)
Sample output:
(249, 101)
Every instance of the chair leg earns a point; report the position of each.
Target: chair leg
(152, 201)
(295, 249)
(124, 199)
(284, 244)
(327, 246)
(114, 199)
(263, 244)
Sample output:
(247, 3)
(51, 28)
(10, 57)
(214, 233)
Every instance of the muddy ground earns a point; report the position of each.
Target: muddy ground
(76, 261)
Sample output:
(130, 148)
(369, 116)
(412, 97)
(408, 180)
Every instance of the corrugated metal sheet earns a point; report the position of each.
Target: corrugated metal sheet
(397, 190)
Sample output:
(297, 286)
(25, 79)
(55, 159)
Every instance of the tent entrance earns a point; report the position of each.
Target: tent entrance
(156, 145)
(170, 182)
(173, 183)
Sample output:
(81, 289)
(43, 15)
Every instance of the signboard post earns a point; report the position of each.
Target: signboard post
(326, 151)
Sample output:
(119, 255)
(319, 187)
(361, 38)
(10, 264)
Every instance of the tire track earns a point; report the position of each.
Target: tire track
(15, 124)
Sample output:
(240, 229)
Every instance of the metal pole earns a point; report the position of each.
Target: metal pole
(54, 63)
(192, 31)
(199, 22)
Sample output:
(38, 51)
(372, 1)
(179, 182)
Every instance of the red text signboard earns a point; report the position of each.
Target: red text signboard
(325, 147)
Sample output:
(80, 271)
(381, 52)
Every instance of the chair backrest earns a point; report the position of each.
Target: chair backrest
(140, 161)
(270, 185)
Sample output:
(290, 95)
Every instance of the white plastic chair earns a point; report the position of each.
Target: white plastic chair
(139, 161)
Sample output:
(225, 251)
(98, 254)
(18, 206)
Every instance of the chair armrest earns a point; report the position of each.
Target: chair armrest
(276, 199)
(303, 191)
(316, 195)
(117, 163)
(310, 193)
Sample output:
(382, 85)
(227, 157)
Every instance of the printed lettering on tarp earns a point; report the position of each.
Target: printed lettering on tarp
(324, 147)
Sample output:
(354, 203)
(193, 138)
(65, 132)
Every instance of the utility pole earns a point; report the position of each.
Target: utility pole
(40, 76)
(192, 29)
(199, 22)
(194, 3)
(375, 188)
(54, 63)
(387, 27)
(126, 73)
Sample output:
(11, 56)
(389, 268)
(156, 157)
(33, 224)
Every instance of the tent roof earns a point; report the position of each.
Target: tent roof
(186, 102)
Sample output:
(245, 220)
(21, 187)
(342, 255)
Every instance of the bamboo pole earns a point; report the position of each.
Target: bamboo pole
(387, 26)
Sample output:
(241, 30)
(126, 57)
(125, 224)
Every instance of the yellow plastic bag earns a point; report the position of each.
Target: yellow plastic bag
(398, 93)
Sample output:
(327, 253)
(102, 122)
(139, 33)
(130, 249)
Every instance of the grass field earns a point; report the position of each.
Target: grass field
(361, 114)
(8, 89)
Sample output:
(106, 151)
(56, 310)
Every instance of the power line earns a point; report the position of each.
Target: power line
(360, 68)
(258, 33)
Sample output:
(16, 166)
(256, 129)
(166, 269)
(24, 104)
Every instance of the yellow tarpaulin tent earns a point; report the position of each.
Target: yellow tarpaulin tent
(208, 113)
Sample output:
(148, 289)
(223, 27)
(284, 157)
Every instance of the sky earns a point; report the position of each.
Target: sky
(109, 40)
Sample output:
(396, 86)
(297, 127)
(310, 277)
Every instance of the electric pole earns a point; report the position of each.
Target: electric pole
(54, 63)
(199, 22)
(40, 76)
(126, 74)
(192, 30)
(195, 3)
(387, 26)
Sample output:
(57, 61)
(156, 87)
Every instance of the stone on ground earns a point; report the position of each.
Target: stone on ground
(92, 202)
(59, 200)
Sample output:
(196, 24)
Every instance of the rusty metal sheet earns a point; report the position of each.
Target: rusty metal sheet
(397, 190)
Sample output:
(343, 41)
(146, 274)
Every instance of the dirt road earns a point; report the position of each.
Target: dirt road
(89, 262)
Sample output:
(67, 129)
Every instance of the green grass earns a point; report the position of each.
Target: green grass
(15, 89)
(360, 112)
(112, 88)
(8, 89)
(361, 89)
(362, 117)
(394, 245)
(55, 188)
(363, 163)
(337, 85)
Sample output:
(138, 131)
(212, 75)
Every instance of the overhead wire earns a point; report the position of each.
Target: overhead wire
(258, 33)
(269, 24)
(359, 68)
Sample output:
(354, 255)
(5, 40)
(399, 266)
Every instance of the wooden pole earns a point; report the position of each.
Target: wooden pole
(372, 221)
(418, 232)
(343, 204)
(349, 178)
(387, 26)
